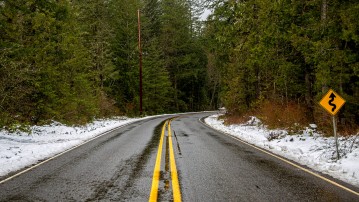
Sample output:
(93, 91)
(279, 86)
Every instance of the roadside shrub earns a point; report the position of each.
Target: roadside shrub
(231, 119)
(345, 127)
(276, 114)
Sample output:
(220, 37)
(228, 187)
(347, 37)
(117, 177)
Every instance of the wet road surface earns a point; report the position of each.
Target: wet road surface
(210, 166)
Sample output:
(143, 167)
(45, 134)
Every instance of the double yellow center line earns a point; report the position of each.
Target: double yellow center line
(156, 173)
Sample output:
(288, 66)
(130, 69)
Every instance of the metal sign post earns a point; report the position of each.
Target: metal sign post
(336, 137)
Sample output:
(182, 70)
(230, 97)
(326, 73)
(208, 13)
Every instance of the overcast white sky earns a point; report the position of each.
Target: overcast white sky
(205, 14)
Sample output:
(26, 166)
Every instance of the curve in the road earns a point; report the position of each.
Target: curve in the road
(284, 160)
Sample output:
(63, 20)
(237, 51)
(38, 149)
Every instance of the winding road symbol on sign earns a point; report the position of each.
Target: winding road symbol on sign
(332, 102)
(332, 96)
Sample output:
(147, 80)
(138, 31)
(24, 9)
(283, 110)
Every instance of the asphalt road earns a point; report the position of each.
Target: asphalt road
(210, 166)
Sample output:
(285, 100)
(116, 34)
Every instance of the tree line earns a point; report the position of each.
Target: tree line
(74, 60)
(286, 51)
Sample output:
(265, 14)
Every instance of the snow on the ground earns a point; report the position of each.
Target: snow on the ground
(21, 149)
(307, 148)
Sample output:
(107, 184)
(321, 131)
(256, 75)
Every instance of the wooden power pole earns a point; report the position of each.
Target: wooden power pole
(140, 52)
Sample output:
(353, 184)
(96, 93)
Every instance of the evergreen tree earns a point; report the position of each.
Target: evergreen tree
(50, 61)
(285, 51)
(182, 55)
(124, 84)
(156, 80)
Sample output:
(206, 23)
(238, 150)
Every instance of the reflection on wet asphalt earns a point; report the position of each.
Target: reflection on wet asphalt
(211, 167)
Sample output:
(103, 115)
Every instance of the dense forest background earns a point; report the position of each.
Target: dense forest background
(75, 60)
(278, 58)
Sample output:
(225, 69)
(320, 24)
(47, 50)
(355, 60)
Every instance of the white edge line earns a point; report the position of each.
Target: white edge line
(87, 141)
(68, 150)
(283, 159)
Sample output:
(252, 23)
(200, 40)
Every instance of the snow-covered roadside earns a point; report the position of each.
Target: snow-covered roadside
(20, 149)
(308, 148)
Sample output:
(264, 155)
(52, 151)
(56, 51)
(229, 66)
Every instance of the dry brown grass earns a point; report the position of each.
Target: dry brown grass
(292, 116)
(230, 119)
(325, 124)
(274, 114)
(323, 120)
(282, 115)
(107, 106)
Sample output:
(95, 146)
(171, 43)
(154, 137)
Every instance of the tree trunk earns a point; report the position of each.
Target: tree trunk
(176, 98)
(324, 11)
(213, 94)
(324, 23)
(309, 93)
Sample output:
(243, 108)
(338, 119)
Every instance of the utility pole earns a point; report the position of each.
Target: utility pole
(140, 52)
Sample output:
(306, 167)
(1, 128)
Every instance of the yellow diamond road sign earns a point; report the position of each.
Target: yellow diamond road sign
(332, 102)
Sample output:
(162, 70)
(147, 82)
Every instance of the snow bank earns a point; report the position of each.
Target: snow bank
(308, 148)
(21, 149)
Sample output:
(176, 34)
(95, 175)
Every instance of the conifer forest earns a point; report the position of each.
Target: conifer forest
(74, 60)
